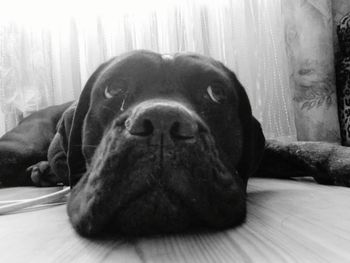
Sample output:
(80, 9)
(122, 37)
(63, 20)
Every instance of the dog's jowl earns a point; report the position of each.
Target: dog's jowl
(155, 144)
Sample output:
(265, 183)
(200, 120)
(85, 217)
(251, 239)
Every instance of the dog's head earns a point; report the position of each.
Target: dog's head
(159, 144)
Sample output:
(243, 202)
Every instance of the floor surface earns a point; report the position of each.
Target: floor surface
(288, 221)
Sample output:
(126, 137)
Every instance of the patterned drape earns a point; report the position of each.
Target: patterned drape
(46, 61)
(341, 25)
(309, 42)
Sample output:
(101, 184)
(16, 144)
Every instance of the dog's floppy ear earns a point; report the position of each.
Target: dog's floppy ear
(75, 157)
(65, 124)
(253, 137)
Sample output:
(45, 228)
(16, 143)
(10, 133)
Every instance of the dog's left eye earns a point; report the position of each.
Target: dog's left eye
(216, 93)
(115, 89)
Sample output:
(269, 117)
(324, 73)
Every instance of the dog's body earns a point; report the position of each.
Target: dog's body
(156, 144)
(27, 144)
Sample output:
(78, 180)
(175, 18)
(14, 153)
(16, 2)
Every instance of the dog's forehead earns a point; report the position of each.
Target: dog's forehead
(150, 65)
(130, 64)
(191, 64)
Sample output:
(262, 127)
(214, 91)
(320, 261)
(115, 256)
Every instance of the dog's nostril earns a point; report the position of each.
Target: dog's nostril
(179, 133)
(147, 128)
(140, 127)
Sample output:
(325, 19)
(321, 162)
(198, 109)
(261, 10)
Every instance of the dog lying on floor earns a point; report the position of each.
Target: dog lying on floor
(157, 143)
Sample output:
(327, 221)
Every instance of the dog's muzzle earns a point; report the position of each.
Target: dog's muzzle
(156, 170)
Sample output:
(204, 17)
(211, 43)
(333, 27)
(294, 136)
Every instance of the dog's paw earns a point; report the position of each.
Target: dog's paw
(335, 169)
(41, 174)
(343, 180)
(339, 166)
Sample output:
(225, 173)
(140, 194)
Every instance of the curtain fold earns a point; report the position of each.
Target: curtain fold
(309, 39)
(49, 62)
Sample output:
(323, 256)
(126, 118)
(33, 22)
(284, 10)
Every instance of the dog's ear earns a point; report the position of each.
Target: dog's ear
(75, 157)
(253, 137)
(65, 124)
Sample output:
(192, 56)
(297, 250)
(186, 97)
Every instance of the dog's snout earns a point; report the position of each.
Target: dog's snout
(162, 118)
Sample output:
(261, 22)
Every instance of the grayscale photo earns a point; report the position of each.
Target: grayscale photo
(175, 131)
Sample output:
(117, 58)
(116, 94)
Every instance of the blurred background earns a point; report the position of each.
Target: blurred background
(281, 50)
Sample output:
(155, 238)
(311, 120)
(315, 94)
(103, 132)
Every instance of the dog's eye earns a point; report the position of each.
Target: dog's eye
(216, 93)
(114, 89)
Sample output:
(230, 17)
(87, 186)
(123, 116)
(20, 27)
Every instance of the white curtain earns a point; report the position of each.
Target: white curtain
(46, 60)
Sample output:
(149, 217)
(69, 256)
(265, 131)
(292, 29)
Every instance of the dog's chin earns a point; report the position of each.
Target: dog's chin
(154, 212)
(133, 192)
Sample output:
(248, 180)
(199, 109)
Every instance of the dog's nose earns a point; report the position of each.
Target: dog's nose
(165, 119)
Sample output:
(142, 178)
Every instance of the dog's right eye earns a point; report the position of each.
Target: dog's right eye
(108, 93)
(216, 93)
(115, 89)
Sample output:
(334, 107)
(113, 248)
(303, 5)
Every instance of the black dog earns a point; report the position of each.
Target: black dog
(154, 144)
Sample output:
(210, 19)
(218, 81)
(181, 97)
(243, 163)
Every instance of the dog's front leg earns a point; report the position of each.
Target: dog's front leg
(328, 163)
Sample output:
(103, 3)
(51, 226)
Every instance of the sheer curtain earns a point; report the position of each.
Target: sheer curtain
(46, 60)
